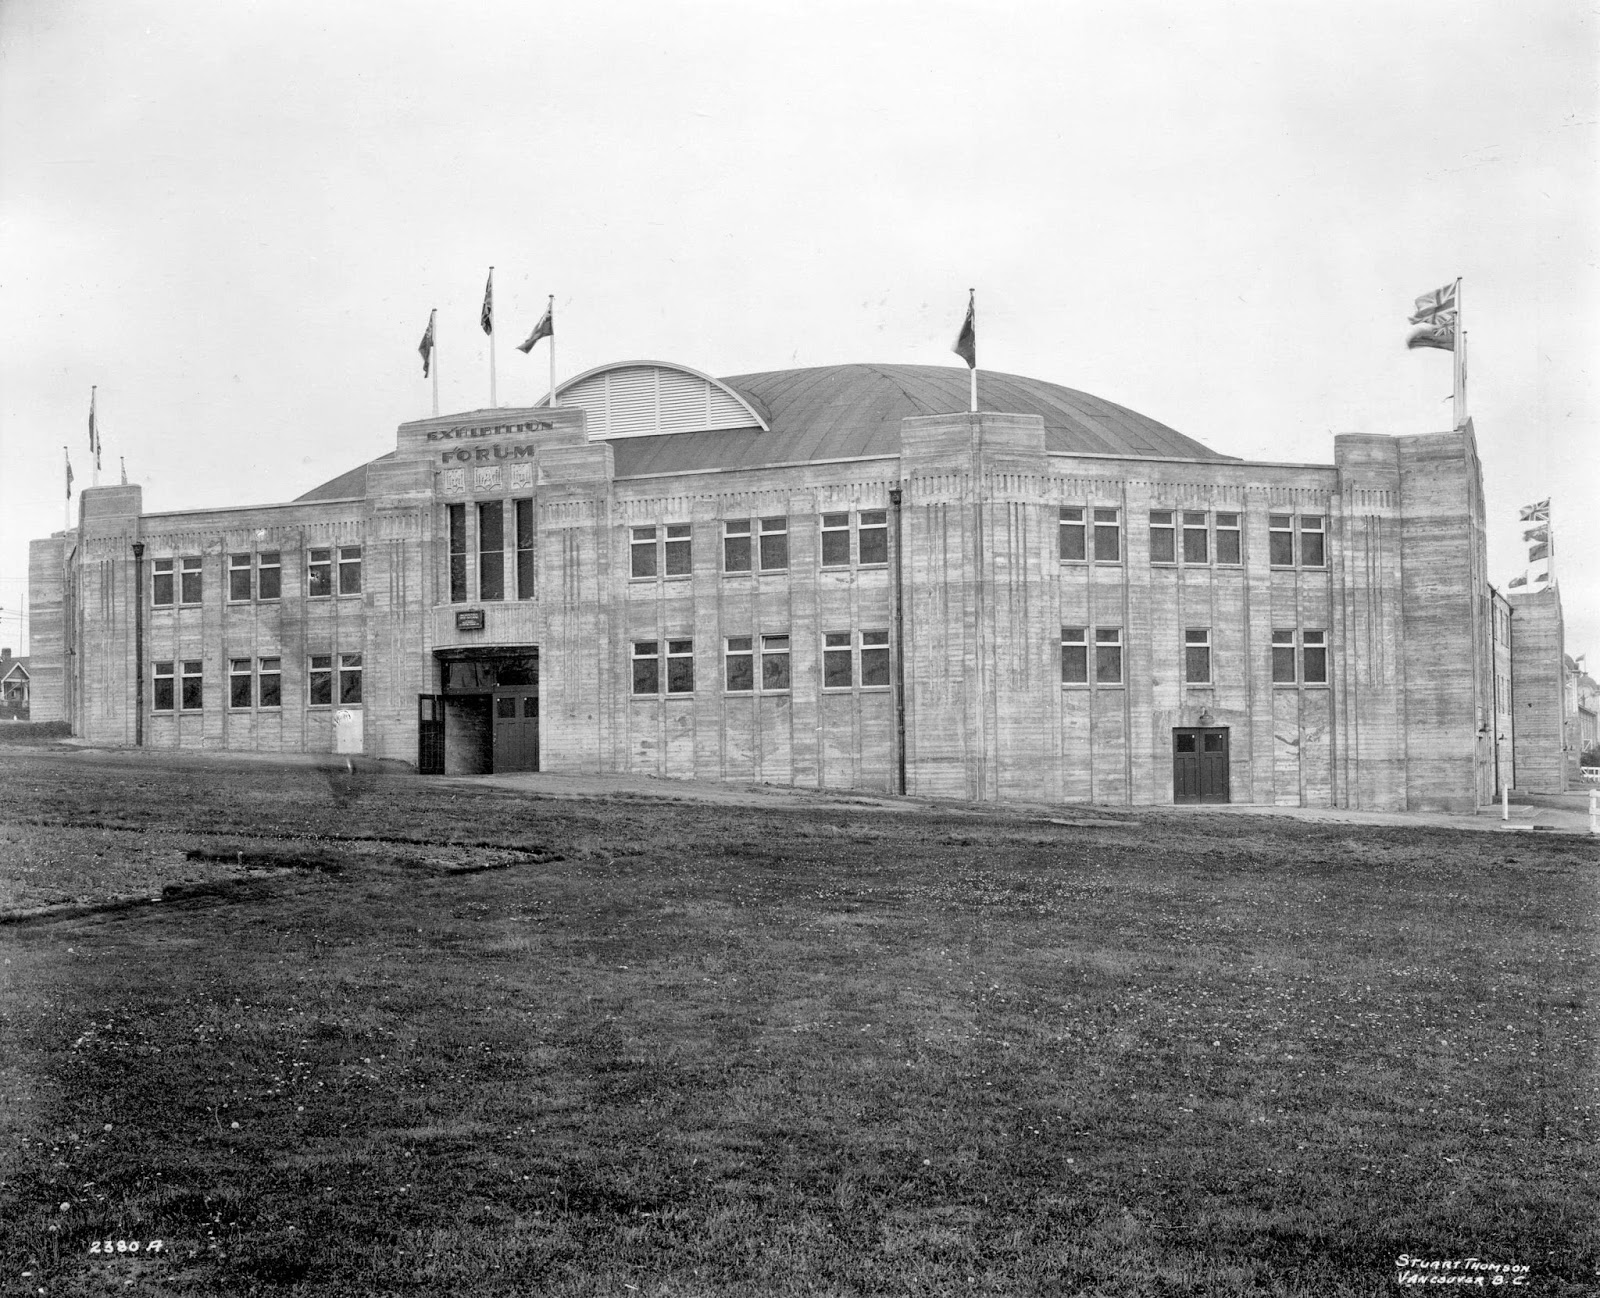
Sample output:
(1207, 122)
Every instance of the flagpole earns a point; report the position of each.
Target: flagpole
(972, 305)
(550, 310)
(489, 301)
(94, 439)
(1459, 404)
(434, 358)
(66, 456)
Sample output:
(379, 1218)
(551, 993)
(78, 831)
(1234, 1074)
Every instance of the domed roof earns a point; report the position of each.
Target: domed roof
(847, 411)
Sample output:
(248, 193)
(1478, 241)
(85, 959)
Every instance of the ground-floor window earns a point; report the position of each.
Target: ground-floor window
(162, 696)
(319, 681)
(349, 678)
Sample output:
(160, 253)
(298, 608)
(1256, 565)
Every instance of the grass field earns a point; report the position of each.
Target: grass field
(391, 1036)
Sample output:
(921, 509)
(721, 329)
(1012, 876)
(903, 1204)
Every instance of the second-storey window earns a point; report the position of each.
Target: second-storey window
(349, 569)
(1283, 656)
(736, 545)
(1314, 657)
(189, 572)
(1227, 538)
(836, 540)
(319, 573)
(1313, 553)
(1197, 656)
(1074, 655)
(837, 664)
(193, 694)
(1163, 537)
(161, 699)
(349, 678)
(239, 580)
(269, 693)
(1072, 534)
(646, 667)
(643, 559)
(239, 681)
(269, 575)
(1107, 537)
(774, 544)
(1108, 655)
(874, 658)
(161, 581)
(523, 511)
(676, 547)
(457, 515)
(774, 662)
(319, 681)
(872, 536)
(1280, 540)
(1196, 547)
(491, 550)
(680, 666)
(739, 662)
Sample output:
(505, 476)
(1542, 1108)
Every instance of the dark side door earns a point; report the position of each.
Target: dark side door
(1200, 765)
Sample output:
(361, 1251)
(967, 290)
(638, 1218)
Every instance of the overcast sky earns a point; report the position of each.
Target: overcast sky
(234, 218)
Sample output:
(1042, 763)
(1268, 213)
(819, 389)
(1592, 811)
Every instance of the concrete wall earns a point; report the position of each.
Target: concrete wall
(1538, 657)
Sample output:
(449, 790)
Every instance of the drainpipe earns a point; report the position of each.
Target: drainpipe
(899, 649)
(138, 643)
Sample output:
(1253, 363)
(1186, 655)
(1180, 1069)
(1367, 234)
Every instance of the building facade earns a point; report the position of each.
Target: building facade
(822, 578)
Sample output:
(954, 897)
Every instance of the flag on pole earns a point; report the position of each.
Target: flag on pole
(1537, 533)
(486, 316)
(94, 432)
(546, 328)
(1517, 581)
(1536, 513)
(124, 463)
(69, 473)
(967, 340)
(1537, 552)
(1435, 319)
(426, 346)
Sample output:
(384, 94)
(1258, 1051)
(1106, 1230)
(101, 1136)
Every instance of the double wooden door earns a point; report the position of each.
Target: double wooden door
(1200, 764)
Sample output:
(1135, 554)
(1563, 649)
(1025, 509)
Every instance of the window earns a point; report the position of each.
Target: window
(647, 666)
(1312, 551)
(319, 573)
(1072, 536)
(192, 693)
(874, 658)
(677, 548)
(239, 691)
(1108, 655)
(774, 662)
(1074, 656)
(1163, 542)
(239, 580)
(837, 669)
(1197, 656)
(458, 553)
(319, 681)
(161, 698)
(491, 550)
(836, 541)
(269, 682)
(523, 512)
(1314, 657)
(1228, 538)
(736, 546)
(189, 572)
(644, 554)
(774, 544)
(1107, 537)
(269, 575)
(1280, 535)
(740, 662)
(873, 536)
(1283, 657)
(1196, 547)
(680, 666)
(161, 582)
(647, 561)
(350, 568)
(349, 678)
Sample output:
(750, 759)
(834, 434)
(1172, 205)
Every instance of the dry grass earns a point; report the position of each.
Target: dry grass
(667, 1049)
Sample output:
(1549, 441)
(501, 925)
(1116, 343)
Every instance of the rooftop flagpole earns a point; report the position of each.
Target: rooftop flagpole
(1460, 349)
(486, 319)
(967, 343)
(94, 439)
(434, 349)
(550, 315)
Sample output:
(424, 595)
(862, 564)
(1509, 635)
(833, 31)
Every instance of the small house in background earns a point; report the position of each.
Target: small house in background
(13, 687)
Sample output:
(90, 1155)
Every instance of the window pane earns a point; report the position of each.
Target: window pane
(350, 570)
(836, 669)
(523, 516)
(491, 550)
(1075, 664)
(736, 553)
(741, 670)
(350, 683)
(1282, 549)
(774, 662)
(1311, 549)
(644, 558)
(1196, 664)
(1283, 664)
(530, 705)
(774, 551)
(1108, 664)
(271, 686)
(680, 674)
(458, 553)
(239, 691)
(1185, 743)
(319, 573)
(1072, 535)
(1194, 545)
(239, 577)
(1316, 665)
(161, 585)
(875, 664)
(873, 539)
(835, 549)
(1163, 545)
(162, 701)
(190, 581)
(678, 559)
(1227, 545)
(1213, 743)
(191, 692)
(1107, 542)
(506, 708)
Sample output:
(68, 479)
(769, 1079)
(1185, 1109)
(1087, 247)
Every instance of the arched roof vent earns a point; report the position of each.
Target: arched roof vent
(649, 398)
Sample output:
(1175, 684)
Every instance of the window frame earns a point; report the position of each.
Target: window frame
(1164, 537)
(1191, 530)
(345, 563)
(1235, 530)
(738, 534)
(643, 559)
(1284, 656)
(163, 571)
(192, 670)
(236, 570)
(833, 532)
(645, 657)
(319, 679)
(456, 551)
(680, 659)
(491, 522)
(322, 566)
(235, 676)
(1108, 641)
(1072, 533)
(738, 648)
(1075, 640)
(775, 530)
(273, 673)
(1197, 656)
(1318, 646)
(523, 527)
(878, 528)
(1107, 522)
(778, 655)
(191, 565)
(164, 673)
(838, 650)
(350, 669)
(1280, 526)
(1320, 532)
(263, 569)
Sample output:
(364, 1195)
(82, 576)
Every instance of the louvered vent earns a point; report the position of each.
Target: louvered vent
(648, 400)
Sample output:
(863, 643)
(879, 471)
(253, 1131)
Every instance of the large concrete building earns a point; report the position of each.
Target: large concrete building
(831, 577)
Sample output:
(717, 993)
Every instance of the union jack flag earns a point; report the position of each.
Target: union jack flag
(1435, 319)
(1537, 513)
